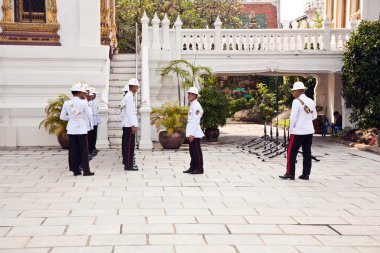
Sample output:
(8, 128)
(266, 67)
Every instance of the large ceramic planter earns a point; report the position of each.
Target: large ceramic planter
(212, 134)
(63, 141)
(173, 141)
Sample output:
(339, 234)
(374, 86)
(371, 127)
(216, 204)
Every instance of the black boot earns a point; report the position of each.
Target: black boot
(287, 177)
(304, 177)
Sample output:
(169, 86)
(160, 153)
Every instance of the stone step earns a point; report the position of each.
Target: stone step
(114, 140)
(116, 89)
(119, 83)
(115, 132)
(114, 124)
(123, 57)
(126, 70)
(115, 118)
(123, 77)
(115, 97)
(131, 64)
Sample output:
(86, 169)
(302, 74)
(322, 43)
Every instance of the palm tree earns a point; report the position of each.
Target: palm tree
(181, 74)
(189, 73)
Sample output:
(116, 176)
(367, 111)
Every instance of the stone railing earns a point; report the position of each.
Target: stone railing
(220, 40)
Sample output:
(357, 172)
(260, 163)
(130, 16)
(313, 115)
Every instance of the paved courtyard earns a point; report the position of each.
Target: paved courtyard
(238, 206)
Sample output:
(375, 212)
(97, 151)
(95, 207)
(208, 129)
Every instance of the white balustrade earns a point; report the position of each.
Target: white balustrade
(245, 40)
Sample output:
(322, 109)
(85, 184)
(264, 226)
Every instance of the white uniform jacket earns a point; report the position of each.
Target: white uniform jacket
(129, 112)
(193, 126)
(95, 113)
(90, 120)
(77, 113)
(301, 122)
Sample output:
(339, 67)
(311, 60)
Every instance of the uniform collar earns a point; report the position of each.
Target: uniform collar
(193, 101)
(302, 96)
(76, 98)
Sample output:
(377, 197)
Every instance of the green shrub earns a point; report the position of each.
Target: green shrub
(237, 105)
(361, 79)
(214, 103)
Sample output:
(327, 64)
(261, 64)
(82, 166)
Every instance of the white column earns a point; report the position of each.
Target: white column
(328, 9)
(178, 34)
(218, 34)
(327, 34)
(145, 109)
(156, 44)
(144, 31)
(165, 38)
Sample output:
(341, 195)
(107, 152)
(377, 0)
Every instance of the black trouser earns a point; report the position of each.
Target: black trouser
(128, 146)
(296, 141)
(92, 136)
(78, 153)
(196, 155)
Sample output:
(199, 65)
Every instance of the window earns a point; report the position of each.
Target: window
(357, 5)
(30, 11)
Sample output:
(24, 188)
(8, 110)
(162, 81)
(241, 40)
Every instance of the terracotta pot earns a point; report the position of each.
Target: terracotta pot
(171, 142)
(63, 141)
(212, 134)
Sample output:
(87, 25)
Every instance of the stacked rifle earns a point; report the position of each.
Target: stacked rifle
(268, 146)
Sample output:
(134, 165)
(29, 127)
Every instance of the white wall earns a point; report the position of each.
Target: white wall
(370, 9)
(30, 75)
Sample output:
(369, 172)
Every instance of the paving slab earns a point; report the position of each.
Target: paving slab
(239, 205)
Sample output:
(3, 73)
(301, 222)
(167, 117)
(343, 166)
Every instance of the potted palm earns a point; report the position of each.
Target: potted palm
(188, 75)
(53, 124)
(171, 117)
(215, 108)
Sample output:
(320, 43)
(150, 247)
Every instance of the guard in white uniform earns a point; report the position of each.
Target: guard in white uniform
(301, 132)
(90, 121)
(96, 122)
(194, 132)
(129, 124)
(76, 112)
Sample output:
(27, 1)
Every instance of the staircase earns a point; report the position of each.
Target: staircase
(123, 68)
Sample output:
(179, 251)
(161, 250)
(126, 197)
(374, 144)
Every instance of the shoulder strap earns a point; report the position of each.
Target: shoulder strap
(301, 101)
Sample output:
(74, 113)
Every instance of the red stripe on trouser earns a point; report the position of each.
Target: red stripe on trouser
(289, 151)
(199, 157)
(129, 145)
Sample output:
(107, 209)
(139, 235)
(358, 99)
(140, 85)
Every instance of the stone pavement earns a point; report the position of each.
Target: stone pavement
(238, 206)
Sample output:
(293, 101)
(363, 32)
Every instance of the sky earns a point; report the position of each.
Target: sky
(291, 9)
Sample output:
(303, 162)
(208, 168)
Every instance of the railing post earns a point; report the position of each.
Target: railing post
(178, 34)
(327, 34)
(165, 38)
(353, 23)
(156, 45)
(144, 31)
(218, 34)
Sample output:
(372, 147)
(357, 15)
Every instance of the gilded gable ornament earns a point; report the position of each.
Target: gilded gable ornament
(29, 30)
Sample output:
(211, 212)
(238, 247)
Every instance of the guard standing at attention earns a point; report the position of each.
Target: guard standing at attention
(301, 132)
(194, 132)
(96, 120)
(129, 124)
(90, 121)
(76, 112)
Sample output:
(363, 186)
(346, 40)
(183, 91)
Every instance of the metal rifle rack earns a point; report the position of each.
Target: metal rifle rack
(275, 149)
(263, 143)
(256, 141)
